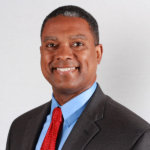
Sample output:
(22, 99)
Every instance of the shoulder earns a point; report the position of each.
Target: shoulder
(27, 125)
(118, 115)
(121, 126)
(23, 119)
(123, 115)
(127, 126)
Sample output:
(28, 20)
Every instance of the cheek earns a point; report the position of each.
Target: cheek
(45, 61)
(92, 64)
(89, 59)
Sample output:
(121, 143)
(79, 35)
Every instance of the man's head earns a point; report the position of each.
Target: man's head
(74, 11)
(69, 53)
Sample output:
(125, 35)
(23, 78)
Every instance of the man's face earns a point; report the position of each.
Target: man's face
(69, 57)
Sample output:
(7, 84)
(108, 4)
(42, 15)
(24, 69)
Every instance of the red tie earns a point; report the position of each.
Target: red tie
(49, 142)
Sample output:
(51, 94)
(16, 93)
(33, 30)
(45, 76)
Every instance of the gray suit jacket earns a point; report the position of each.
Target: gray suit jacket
(103, 125)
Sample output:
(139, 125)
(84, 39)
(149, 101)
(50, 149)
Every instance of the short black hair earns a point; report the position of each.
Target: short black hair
(75, 11)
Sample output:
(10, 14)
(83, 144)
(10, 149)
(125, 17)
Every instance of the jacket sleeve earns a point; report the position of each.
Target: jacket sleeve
(143, 143)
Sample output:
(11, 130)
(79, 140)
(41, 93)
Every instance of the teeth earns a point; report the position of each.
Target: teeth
(65, 69)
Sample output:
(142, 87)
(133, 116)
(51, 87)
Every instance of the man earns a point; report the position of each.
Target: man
(86, 118)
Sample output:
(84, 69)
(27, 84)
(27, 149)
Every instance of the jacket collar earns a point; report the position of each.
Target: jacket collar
(86, 128)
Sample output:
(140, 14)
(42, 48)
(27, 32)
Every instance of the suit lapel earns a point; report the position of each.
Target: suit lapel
(86, 128)
(82, 133)
(34, 127)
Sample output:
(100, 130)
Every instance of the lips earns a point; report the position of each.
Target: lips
(62, 66)
(65, 69)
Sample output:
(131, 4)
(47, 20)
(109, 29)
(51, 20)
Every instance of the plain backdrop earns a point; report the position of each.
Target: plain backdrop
(124, 73)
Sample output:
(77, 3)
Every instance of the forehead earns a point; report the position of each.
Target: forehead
(66, 25)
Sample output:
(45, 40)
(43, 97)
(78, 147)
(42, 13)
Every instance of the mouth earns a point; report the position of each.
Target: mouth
(65, 69)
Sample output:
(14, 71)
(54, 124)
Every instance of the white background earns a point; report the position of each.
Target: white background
(124, 73)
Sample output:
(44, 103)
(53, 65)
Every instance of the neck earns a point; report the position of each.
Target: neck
(63, 97)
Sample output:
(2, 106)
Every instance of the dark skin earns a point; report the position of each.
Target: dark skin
(69, 57)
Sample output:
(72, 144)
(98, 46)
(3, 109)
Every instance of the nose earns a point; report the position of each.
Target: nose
(64, 53)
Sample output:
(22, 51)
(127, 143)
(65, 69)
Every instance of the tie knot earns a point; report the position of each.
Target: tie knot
(57, 115)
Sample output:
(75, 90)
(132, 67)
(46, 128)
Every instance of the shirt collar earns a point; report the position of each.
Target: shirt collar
(74, 107)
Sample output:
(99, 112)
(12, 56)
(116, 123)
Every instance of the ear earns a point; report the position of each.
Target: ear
(99, 52)
(41, 49)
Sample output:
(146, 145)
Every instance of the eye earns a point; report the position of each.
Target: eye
(77, 44)
(51, 45)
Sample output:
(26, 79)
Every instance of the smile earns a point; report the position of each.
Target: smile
(66, 69)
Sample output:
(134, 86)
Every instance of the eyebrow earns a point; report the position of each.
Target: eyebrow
(53, 38)
(78, 36)
(72, 37)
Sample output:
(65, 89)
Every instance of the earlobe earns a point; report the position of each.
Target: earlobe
(99, 52)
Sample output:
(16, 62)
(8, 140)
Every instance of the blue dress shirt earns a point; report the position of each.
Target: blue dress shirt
(71, 111)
